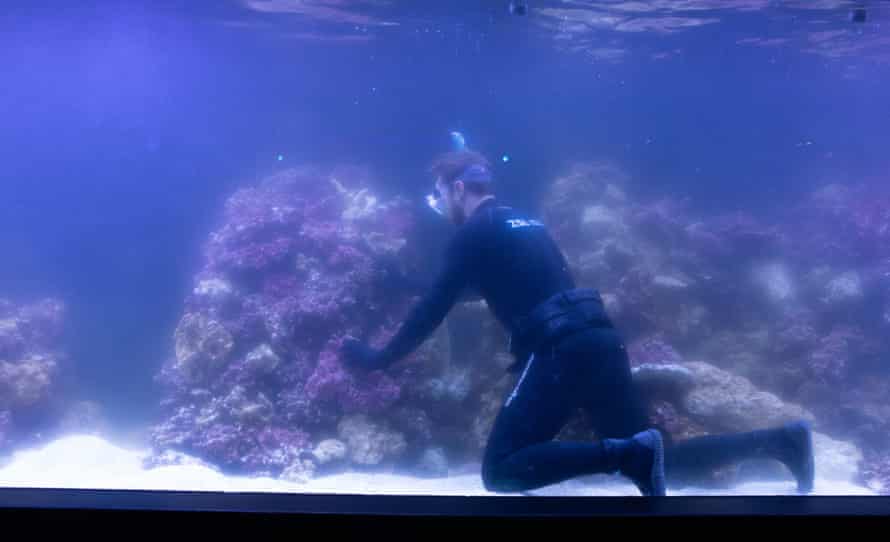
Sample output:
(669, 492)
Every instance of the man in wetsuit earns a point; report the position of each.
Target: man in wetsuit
(567, 350)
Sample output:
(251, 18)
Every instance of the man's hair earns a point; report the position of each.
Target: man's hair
(451, 165)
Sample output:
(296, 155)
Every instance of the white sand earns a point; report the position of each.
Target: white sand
(90, 462)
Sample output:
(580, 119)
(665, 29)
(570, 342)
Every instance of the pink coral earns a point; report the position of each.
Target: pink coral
(334, 385)
(291, 269)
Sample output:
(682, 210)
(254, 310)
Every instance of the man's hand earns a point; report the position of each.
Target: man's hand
(359, 355)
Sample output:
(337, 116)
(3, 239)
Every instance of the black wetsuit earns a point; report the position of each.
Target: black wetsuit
(512, 262)
(507, 259)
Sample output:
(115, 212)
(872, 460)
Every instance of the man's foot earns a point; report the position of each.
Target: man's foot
(643, 462)
(795, 450)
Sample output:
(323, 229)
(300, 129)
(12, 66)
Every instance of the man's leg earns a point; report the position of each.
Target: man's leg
(618, 412)
(791, 444)
(521, 454)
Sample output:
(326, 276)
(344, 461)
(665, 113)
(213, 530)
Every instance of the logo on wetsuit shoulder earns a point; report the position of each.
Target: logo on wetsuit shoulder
(522, 223)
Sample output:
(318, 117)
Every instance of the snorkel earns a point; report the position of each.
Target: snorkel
(435, 200)
(458, 141)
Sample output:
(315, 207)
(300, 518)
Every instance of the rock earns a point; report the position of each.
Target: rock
(200, 340)
(416, 424)
(875, 471)
(833, 355)
(669, 282)
(677, 425)
(738, 351)
(216, 290)
(846, 287)
(300, 472)
(329, 450)
(381, 245)
(169, 458)
(776, 281)
(794, 334)
(452, 386)
(652, 350)
(433, 464)
(836, 460)
(246, 409)
(369, 443)
(599, 214)
(670, 380)
(27, 382)
(262, 359)
(725, 402)
(361, 204)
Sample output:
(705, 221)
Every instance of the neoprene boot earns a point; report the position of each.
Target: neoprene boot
(793, 446)
(641, 458)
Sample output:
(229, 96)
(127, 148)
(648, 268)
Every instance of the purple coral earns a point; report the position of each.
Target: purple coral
(273, 449)
(843, 223)
(288, 273)
(832, 356)
(333, 384)
(872, 221)
(835, 357)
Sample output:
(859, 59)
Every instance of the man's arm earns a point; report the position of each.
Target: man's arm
(428, 314)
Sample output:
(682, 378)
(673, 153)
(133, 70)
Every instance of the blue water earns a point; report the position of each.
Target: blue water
(126, 124)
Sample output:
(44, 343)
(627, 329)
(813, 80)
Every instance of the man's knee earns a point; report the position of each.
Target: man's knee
(496, 477)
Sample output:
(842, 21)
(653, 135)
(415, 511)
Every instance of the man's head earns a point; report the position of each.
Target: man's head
(463, 180)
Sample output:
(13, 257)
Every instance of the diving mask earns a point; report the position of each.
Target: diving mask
(473, 174)
(435, 203)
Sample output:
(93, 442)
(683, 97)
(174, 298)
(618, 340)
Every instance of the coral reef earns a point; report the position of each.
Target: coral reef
(33, 360)
(791, 317)
(255, 383)
(796, 307)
